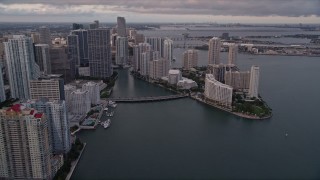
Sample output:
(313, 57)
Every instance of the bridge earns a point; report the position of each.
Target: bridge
(147, 99)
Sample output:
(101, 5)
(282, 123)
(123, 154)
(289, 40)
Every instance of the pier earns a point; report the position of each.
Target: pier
(147, 99)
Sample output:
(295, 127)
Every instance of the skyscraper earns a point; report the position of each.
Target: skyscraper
(58, 123)
(76, 26)
(158, 68)
(73, 54)
(156, 44)
(2, 89)
(24, 144)
(21, 65)
(94, 91)
(233, 53)
(137, 51)
(122, 50)
(60, 64)
(214, 51)
(42, 58)
(168, 52)
(68, 89)
(190, 59)
(100, 61)
(45, 35)
(121, 27)
(82, 45)
(254, 82)
(80, 101)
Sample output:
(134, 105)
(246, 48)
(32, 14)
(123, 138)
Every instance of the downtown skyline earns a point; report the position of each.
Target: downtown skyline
(174, 11)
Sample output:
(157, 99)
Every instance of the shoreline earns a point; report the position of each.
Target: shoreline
(75, 163)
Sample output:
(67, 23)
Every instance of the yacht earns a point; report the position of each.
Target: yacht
(107, 124)
(106, 109)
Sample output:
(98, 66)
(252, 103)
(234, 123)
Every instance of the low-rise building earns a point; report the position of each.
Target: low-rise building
(186, 83)
(174, 76)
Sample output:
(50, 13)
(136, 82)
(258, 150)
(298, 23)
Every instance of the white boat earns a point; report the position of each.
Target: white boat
(107, 124)
(105, 109)
(113, 105)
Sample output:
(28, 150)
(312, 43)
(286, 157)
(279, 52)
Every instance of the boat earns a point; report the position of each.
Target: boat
(113, 105)
(106, 123)
(105, 109)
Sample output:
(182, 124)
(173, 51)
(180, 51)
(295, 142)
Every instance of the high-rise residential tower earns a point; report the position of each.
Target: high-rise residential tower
(21, 65)
(80, 102)
(2, 89)
(254, 82)
(42, 58)
(45, 35)
(122, 50)
(214, 51)
(82, 45)
(24, 144)
(121, 27)
(168, 52)
(99, 49)
(94, 91)
(73, 54)
(190, 59)
(233, 53)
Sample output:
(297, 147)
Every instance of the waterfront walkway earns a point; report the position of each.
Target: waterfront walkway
(147, 99)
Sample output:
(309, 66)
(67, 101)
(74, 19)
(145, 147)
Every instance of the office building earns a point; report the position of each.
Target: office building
(68, 89)
(45, 35)
(60, 64)
(73, 54)
(237, 80)
(233, 53)
(24, 144)
(51, 87)
(157, 68)
(99, 49)
(76, 26)
(174, 76)
(58, 124)
(156, 44)
(138, 38)
(82, 44)
(80, 101)
(121, 27)
(254, 82)
(217, 92)
(168, 51)
(122, 50)
(190, 59)
(42, 58)
(21, 65)
(35, 38)
(214, 51)
(94, 92)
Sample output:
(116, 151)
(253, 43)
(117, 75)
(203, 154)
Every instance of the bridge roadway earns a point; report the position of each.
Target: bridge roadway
(147, 99)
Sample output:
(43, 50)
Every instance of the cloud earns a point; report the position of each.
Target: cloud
(290, 8)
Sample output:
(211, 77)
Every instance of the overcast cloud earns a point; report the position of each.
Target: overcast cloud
(161, 10)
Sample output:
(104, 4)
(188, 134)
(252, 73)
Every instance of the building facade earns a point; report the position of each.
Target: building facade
(99, 49)
(121, 27)
(80, 101)
(68, 89)
(168, 51)
(21, 65)
(24, 144)
(190, 59)
(42, 58)
(237, 80)
(214, 51)
(157, 68)
(45, 35)
(94, 91)
(174, 76)
(122, 54)
(233, 53)
(254, 82)
(2, 89)
(82, 44)
(217, 92)
(51, 87)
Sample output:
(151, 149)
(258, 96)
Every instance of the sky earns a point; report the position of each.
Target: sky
(175, 11)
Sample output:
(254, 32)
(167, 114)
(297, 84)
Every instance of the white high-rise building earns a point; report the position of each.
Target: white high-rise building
(238, 80)
(157, 68)
(2, 89)
(214, 51)
(21, 65)
(24, 144)
(168, 51)
(217, 92)
(233, 53)
(190, 59)
(144, 63)
(45, 35)
(80, 102)
(174, 76)
(42, 58)
(58, 123)
(68, 89)
(156, 44)
(122, 50)
(137, 51)
(254, 82)
(121, 27)
(94, 91)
